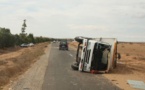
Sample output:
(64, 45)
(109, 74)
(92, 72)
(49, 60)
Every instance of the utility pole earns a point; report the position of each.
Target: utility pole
(24, 27)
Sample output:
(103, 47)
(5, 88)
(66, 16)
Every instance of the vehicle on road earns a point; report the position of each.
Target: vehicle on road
(63, 45)
(97, 54)
(54, 41)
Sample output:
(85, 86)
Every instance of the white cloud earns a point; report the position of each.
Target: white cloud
(123, 19)
(83, 27)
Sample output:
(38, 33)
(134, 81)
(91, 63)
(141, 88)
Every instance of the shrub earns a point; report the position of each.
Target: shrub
(127, 54)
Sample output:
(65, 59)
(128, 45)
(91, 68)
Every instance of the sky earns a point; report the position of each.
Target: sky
(121, 19)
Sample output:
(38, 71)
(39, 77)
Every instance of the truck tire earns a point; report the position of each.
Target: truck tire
(74, 66)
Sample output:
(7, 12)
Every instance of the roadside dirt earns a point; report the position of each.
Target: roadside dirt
(131, 66)
(15, 61)
(33, 78)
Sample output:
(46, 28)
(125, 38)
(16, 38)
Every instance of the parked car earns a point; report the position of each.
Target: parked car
(63, 45)
(31, 44)
(24, 45)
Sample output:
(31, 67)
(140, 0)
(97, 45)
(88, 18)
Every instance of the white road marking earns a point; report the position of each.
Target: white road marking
(74, 83)
(71, 55)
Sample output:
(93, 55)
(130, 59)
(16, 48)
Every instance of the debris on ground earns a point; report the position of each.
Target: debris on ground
(136, 84)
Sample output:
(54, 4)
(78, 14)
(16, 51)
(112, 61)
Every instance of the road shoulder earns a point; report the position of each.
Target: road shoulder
(33, 78)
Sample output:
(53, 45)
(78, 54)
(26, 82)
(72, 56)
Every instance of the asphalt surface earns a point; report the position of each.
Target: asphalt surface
(60, 76)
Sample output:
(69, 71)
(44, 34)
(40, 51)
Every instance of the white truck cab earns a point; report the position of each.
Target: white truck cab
(99, 54)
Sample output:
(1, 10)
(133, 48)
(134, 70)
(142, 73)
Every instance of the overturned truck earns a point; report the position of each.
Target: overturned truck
(96, 55)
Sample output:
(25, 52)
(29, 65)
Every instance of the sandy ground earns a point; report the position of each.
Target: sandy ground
(7, 55)
(131, 66)
(15, 61)
(33, 78)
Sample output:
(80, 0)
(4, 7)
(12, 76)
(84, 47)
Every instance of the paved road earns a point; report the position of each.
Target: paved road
(60, 76)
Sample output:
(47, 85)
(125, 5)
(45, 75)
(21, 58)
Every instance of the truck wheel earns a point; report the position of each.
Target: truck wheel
(74, 67)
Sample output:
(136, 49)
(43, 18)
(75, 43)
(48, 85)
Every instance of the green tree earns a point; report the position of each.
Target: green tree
(17, 39)
(30, 38)
(6, 38)
(23, 38)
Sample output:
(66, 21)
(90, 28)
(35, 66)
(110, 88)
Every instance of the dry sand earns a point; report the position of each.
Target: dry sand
(15, 61)
(131, 66)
